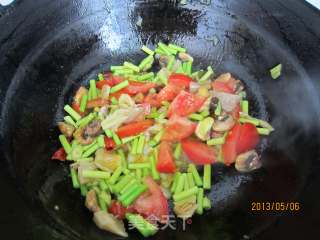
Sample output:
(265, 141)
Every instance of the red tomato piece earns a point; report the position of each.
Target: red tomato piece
(168, 93)
(138, 87)
(152, 99)
(198, 152)
(60, 155)
(240, 139)
(109, 143)
(165, 163)
(185, 103)
(152, 203)
(248, 139)
(178, 128)
(98, 102)
(229, 148)
(180, 80)
(118, 210)
(134, 128)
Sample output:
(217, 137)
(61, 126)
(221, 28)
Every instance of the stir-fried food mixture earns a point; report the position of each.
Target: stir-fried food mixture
(138, 138)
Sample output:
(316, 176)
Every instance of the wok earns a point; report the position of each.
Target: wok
(48, 48)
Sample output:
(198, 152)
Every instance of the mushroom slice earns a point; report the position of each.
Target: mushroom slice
(228, 101)
(91, 201)
(93, 129)
(66, 129)
(110, 223)
(223, 123)
(107, 161)
(248, 161)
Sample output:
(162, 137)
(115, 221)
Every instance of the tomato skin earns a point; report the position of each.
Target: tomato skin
(138, 87)
(134, 128)
(165, 163)
(109, 143)
(229, 148)
(248, 139)
(152, 99)
(180, 80)
(178, 128)
(168, 93)
(98, 102)
(185, 103)
(60, 155)
(198, 152)
(118, 210)
(152, 203)
(240, 139)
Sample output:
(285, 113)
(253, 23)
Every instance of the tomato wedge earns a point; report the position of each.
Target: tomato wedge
(135, 128)
(248, 139)
(185, 103)
(153, 203)
(138, 87)
(240, 139)
(118, 210)
(178, 128)
(109, 80)
(229, 148)
(152, 99)
(165, 163)
(60, 155)
(109, 143)
(168, 93)
(198, 152)
(98, 102)
(180, 80)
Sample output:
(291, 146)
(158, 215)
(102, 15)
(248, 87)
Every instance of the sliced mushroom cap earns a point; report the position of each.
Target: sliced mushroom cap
(248, 161)
(93, 129)
(223, 123)
(110, 223)
(185, 208)
(228, 101)
(223, 77)
(91, 201)
(79, 94)
(82, 138)
(105, 91)
(66, 129)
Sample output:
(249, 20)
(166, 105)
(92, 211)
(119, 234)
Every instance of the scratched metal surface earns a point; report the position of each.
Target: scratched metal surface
(45, 56)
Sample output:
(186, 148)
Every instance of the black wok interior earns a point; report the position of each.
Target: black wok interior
(49, 48)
